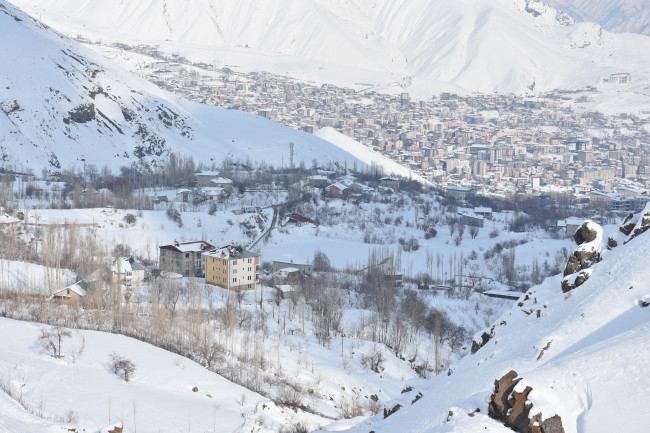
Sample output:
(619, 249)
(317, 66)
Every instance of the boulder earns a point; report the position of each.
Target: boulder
(572, 281)
(485, 337)
(513, 408)
(585, 234)
(499, 400)
(580, 259)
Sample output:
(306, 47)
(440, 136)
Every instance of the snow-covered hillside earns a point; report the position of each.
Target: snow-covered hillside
(421, 46)
(583, 351)
(63, 106)
(613, 15)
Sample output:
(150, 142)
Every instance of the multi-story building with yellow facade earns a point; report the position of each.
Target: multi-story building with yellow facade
(232, 267)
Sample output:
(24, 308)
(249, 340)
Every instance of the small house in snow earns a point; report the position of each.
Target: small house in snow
(337, 190)
(73, 293)
(389, 182)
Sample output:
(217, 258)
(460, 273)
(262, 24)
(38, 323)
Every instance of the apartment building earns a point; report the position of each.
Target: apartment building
(232, 267)
(184, 258)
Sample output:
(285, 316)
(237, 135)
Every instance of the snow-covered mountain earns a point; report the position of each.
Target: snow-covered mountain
(614, 15)
(421, 46)
(62, 105)
(580, 344)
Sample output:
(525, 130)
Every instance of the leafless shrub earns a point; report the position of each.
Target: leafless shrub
(119, 363)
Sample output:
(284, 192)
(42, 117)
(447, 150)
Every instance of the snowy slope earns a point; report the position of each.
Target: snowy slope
(614, 15)
(159, 397)
(62, 105)
(422, 46)
(364, 153)
(584, 353)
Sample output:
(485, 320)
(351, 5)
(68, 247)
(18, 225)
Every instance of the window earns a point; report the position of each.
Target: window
(187, 255)
(234, 280)
(234, 262)
(234, 271)
(250, 260)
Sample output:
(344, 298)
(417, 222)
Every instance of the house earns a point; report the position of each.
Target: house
(127, 271)
(459, 192)
(213, 193)
(570, 224)
(73, 293)
(484, 212)
(184, 258)
(389, 182)
(620, 78)
(318, 181)
(288, 273)
(300, 220)
(471, 220)
(304, 270)
(187, 195)
(221, 182)
(203, 178)
(337, 190)
(232, 267)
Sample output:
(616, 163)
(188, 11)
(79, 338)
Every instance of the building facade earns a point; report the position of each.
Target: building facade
(232, 267)
(184, 258)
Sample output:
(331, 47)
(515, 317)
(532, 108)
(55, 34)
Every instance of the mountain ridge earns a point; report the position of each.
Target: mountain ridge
(63, 106)
(425, 47)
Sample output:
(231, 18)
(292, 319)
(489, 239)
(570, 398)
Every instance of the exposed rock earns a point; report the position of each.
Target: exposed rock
(499, 404)
(549, 425)
(641, 227)
(580, 259)
(485, 337)
(572, 281)
(585, 234)
(389, 412)
(519, 415)
(544, 349)
(81, 114)
(627, 226)
(513, 408)
(611, 243)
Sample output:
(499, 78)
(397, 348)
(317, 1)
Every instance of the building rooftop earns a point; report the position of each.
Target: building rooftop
(186, 247)
(231, 252)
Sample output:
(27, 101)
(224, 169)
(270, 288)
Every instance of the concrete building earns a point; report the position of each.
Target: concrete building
(127, 271)
(304, 270)
(184, 258)
(232, 267)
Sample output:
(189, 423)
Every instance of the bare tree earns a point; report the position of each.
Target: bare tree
(51, 339)
(118, 363)
(473, 231)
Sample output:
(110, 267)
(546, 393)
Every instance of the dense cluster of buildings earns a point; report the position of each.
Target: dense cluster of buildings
(496, 144)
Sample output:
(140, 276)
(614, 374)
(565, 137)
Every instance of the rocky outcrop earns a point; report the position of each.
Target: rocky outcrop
(641, 227)
(572, 281)
(81, 114)
(585, 234)
(484, 338)
(513, 408)
(628, 225)
(588, 252)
